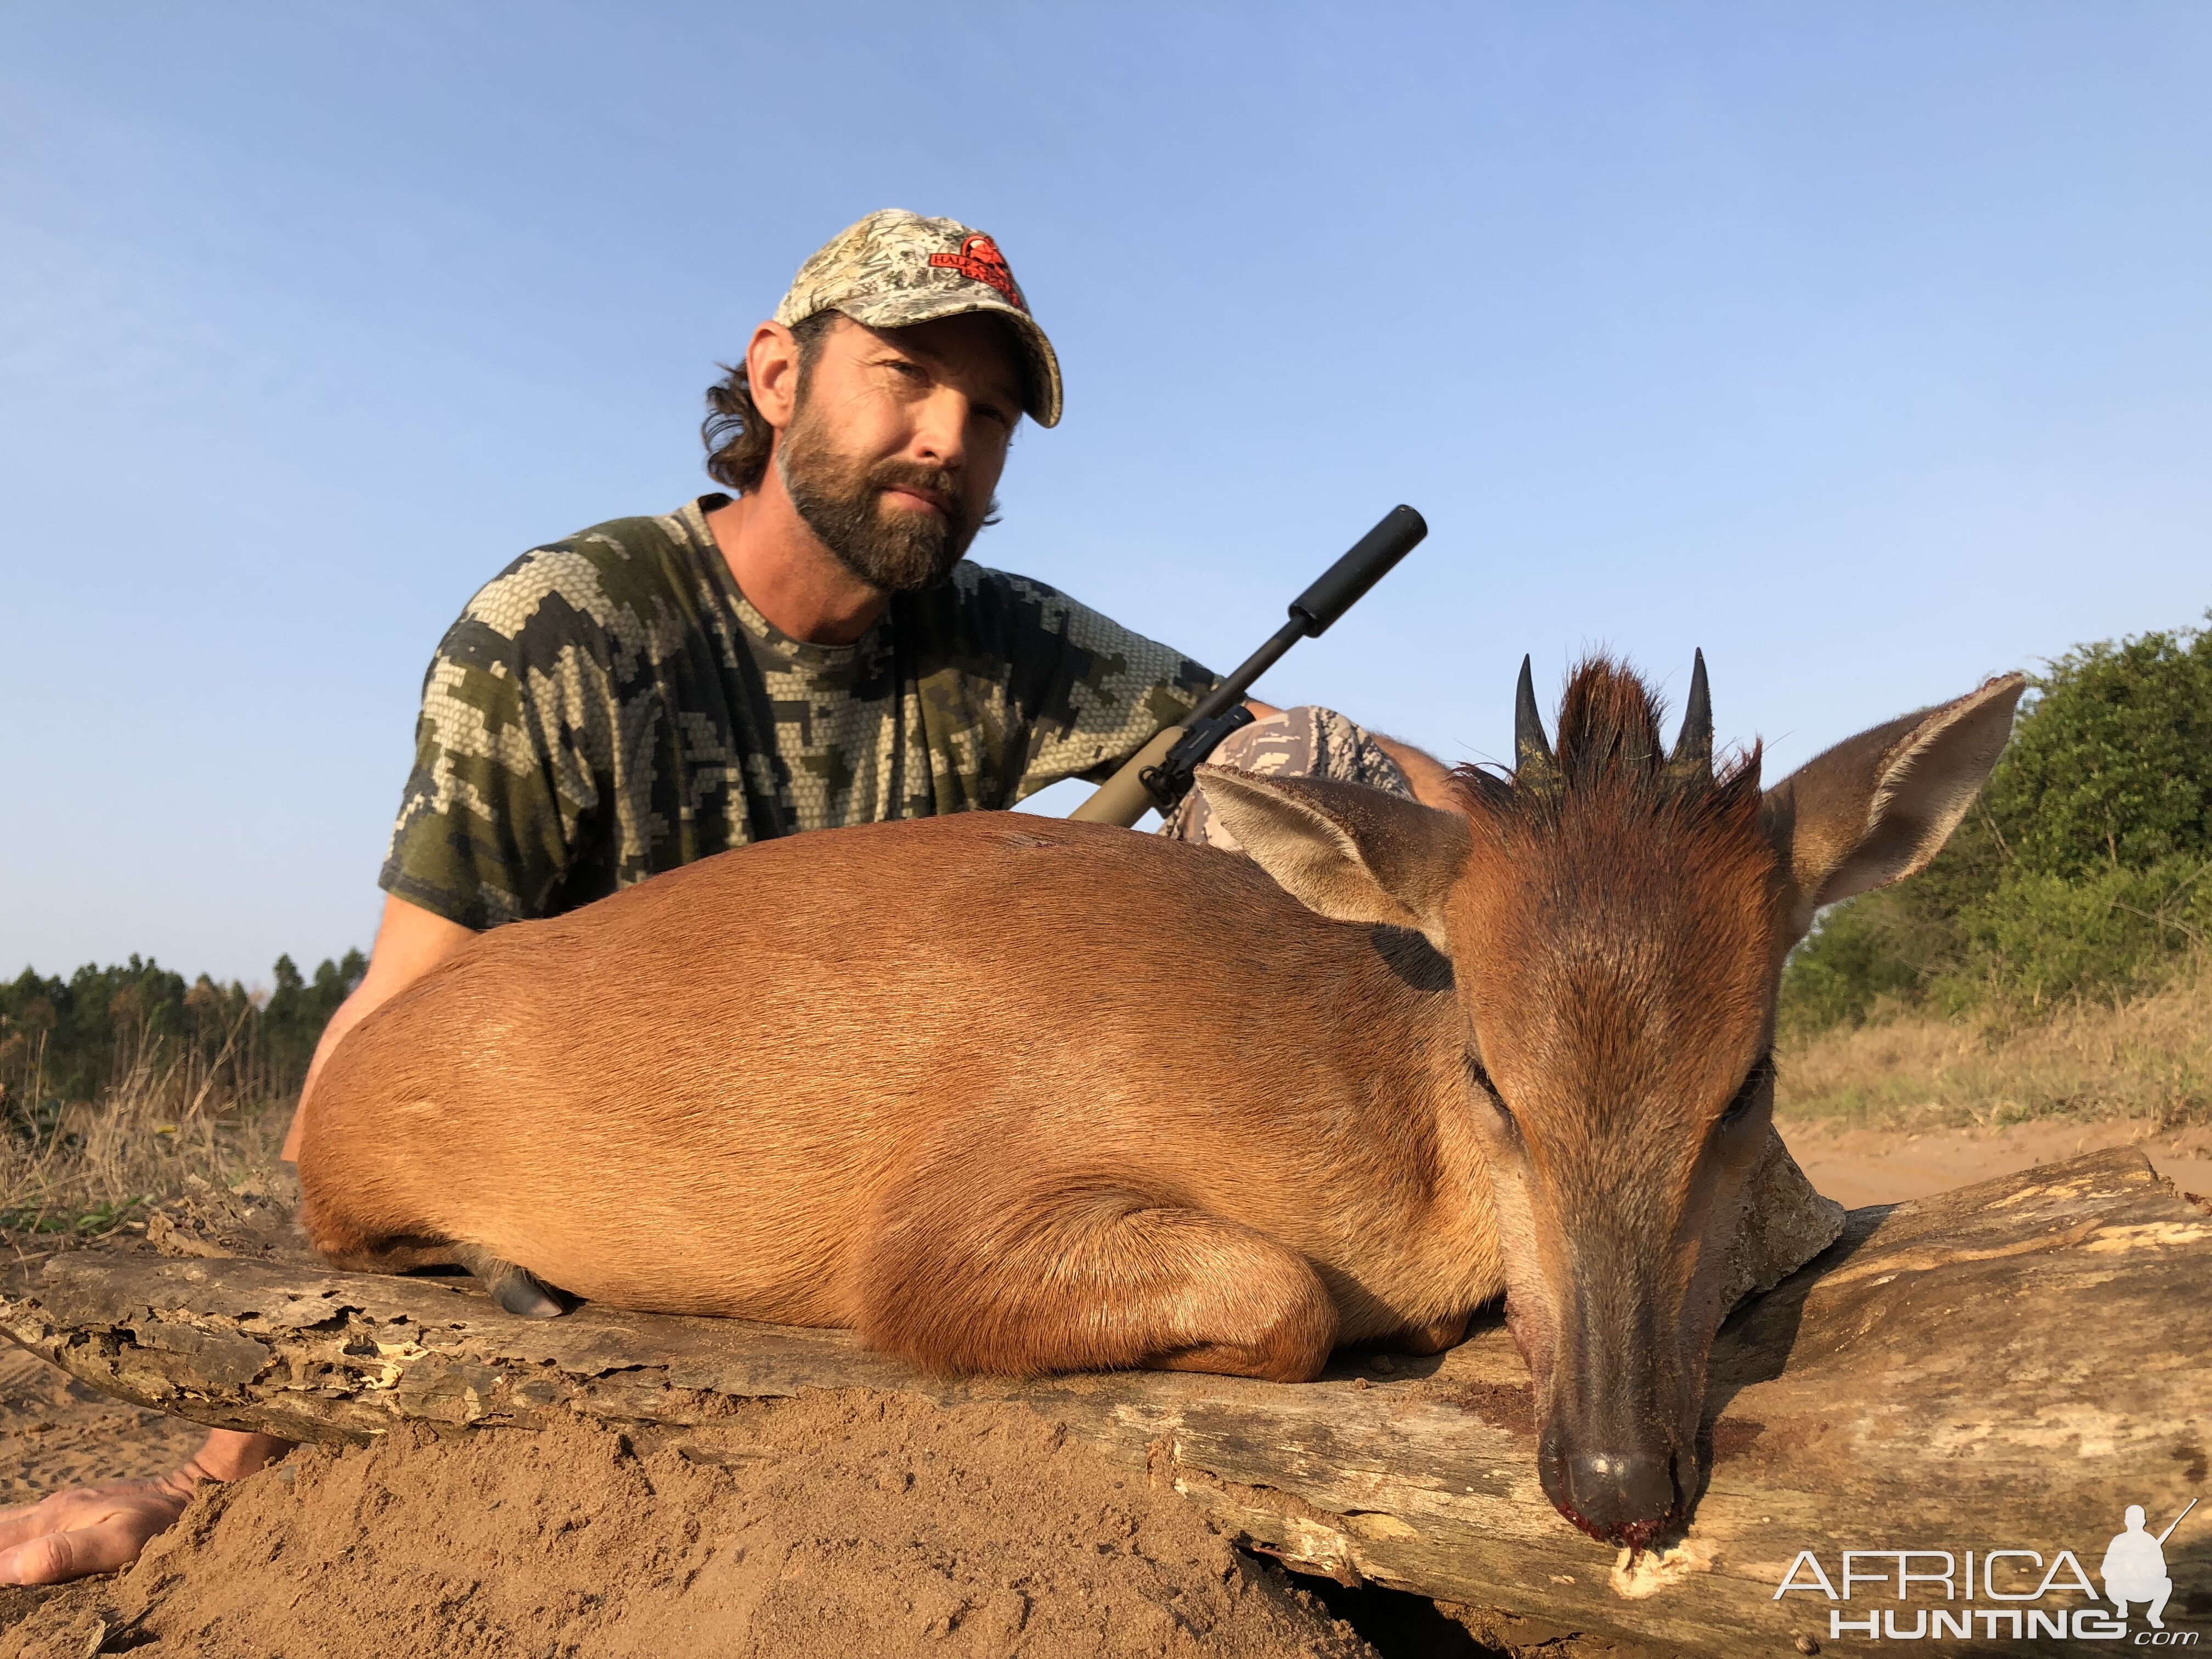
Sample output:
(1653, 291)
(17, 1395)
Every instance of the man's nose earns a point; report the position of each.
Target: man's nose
(941, 430)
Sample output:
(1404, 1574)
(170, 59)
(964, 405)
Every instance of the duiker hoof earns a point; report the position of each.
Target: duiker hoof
(515, 1289)
(520, 1291)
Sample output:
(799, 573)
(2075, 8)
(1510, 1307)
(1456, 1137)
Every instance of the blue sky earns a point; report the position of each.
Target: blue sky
(1867, 346)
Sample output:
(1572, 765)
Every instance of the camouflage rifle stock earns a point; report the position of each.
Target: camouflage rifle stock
(1159, 774)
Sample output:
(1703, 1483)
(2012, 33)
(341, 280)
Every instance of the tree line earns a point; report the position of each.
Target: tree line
(206, 1044)
(2084, 871)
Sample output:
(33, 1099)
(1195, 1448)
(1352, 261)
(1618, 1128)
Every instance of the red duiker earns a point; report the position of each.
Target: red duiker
(1011, 1094)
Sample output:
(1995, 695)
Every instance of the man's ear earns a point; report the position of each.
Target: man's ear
(772, 374)
(1878, 807)
(1344, 851)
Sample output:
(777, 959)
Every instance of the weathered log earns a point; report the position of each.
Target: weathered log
(2002, 1367)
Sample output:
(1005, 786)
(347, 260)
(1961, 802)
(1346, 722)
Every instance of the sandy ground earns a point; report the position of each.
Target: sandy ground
(1857, 1166)
(56, 1432)
(832, 1525)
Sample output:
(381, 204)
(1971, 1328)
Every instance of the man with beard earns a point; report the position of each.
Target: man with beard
(811, 651)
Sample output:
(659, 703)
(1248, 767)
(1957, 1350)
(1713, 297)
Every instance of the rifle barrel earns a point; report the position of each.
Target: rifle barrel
(1230, 692)
(2177, 1519)
(1123, 798)
(1334, 592)
(1372, 558)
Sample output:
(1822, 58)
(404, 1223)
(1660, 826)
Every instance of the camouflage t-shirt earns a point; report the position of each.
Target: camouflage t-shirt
(611, 706)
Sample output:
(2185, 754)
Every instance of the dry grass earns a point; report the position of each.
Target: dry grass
(2147, 1057)
(93, 1167)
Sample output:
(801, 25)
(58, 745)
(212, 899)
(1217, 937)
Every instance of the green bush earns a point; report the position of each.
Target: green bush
(2110, 768)
(2042, 938)
(2084, 870)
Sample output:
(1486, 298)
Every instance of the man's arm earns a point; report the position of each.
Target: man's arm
(100, 1528)
(1431, 778)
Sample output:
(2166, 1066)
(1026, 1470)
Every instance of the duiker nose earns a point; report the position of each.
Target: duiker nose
(1619, 1496)
(1612, 1492)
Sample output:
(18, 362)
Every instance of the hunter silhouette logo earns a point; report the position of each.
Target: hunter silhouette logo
(980, 260)
(2134, 1570)
(2135, 1566)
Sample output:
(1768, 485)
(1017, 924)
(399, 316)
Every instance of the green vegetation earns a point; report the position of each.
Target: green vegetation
(104, 1217)
(63, 1041)
(2083, 874)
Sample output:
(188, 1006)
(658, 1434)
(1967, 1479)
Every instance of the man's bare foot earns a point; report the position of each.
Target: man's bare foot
(100, 1528)
(91, 1529)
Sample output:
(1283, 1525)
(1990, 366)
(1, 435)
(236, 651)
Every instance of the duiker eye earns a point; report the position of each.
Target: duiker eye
(1760, 1075)
(1481, 1076)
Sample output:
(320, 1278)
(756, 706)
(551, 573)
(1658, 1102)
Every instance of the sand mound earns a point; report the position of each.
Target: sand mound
(834, 1525)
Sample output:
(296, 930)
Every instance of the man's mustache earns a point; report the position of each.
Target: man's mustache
(941, 484)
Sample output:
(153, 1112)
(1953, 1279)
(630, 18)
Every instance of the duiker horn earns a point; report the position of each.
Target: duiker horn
(1532, 760)
(1694, 749)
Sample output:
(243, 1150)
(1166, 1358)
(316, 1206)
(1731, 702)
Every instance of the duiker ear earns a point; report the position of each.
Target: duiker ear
(1878, 807)
(1346, 852)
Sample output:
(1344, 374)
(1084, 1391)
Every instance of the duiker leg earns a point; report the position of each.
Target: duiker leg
(965, 1275)
(515, 1289)
(346, 1245)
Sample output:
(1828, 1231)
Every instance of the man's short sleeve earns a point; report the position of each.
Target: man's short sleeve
(514, 714)
(1094, 692)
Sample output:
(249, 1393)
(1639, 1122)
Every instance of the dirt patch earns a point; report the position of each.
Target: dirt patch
(56, 1432)
(1494, 1630)
(836, 1524)
(1870, 1166)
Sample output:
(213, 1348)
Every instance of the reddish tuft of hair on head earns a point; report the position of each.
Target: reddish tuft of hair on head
(1610, 742)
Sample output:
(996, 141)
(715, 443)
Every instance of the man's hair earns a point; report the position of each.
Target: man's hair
(738, 440)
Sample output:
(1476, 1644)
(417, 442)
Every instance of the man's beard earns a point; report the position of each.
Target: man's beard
(891, 549)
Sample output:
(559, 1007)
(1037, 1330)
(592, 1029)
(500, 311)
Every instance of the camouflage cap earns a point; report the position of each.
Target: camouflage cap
(895, 269)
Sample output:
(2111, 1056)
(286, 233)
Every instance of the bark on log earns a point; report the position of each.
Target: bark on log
(2005, 1366)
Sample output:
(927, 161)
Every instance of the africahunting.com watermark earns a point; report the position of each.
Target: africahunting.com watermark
(1999, 1595)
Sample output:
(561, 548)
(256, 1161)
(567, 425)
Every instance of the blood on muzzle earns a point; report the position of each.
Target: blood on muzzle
(1621, 1496)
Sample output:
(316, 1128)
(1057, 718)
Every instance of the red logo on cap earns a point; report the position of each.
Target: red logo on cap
(980, 261)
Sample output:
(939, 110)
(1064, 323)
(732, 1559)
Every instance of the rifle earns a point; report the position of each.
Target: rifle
(1159, 774)
(2177, 1519)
